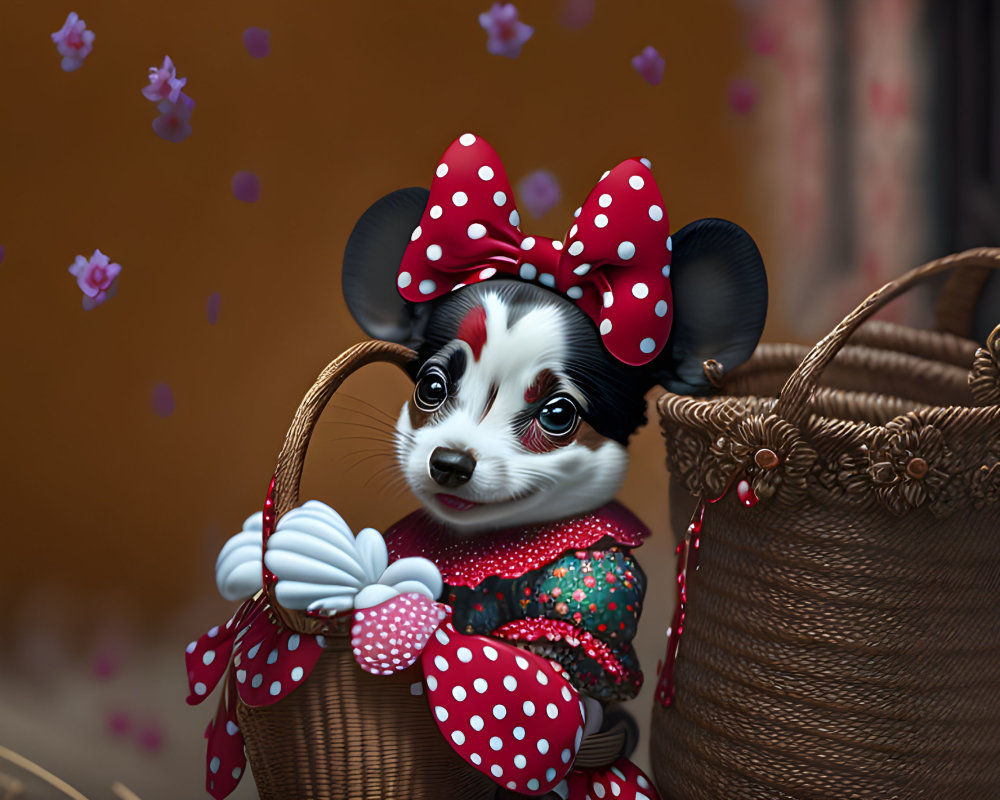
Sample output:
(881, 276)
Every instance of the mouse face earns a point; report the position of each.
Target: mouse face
(534, 355)
(498, 432)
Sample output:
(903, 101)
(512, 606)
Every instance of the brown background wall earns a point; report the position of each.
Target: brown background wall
(113, 511)
(355, 100)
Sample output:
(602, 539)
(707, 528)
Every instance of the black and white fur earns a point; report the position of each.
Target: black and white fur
(476, 443)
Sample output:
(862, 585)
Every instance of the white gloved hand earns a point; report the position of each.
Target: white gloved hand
(238, 572)
(321, 566)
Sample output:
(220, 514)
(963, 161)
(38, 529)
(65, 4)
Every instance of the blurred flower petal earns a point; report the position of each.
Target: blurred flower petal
(742, 95)
(649, 64)
(539, 192)
(2, 253)
(246, 186)
(151, 737)
(577, 13)
(257, 42)
(163, 400)
(119, 723)
(505, 31)
(174, 123)
(212, 307)
(74, 42)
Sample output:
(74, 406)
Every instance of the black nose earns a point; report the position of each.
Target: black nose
(451, 467)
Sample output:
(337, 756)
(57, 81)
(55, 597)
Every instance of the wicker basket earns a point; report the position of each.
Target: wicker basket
(841, 631)
(346, 734)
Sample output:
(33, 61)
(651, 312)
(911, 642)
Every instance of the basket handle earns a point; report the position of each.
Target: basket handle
(794, 399)
(292, 458)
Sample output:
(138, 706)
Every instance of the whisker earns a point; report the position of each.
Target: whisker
(363, 425)
(390, 434)
(394, 482)
(350, 413)
(385, 442)
(367, 404)
(358, 462)
(368, 452)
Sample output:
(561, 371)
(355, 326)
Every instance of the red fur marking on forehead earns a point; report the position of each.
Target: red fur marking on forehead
(472, 331)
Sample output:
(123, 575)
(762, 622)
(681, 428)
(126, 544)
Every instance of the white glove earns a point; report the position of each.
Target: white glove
(321, 566)
(238, 572)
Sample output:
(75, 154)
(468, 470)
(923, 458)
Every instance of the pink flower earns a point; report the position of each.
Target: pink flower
(539, 192)
(164, 83)
(74, 42)
(507, 34)
(165, 89)
(95, 277)
(649, 64)
(174, 122)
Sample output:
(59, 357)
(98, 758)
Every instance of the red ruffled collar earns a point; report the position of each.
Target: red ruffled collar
(469, 560)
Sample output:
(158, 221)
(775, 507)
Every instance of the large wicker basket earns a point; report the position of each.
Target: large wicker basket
(346, 734)
(841, 630)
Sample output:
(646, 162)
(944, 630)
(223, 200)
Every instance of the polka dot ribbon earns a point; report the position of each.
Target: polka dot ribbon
(261, 663)
(614, 262)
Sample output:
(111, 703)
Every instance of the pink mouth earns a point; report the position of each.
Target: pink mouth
(456, 503)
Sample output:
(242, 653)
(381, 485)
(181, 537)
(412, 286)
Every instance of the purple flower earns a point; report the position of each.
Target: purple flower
(507, 34)
(174, 122)
(742, 95)
(539, 192)
(649, 64)
(74, 42)
(95, 277)
(257, 42)
(164, 83)
(246, 186)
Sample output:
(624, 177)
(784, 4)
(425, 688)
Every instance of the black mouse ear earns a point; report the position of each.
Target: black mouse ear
(720, 303)
(371, 262)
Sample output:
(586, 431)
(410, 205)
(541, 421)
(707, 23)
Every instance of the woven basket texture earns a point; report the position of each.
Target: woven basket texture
(842, 635)
(348, 735)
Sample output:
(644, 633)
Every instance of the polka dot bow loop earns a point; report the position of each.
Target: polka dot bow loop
(614, 262)
(510, 713)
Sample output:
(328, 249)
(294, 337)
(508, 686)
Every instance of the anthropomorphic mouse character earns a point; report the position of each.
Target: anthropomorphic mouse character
(534, 358)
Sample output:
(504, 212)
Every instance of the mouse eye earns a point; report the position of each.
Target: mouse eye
(431, 389)
(558, 416)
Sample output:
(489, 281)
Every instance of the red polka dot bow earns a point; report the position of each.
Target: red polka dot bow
(614, 262)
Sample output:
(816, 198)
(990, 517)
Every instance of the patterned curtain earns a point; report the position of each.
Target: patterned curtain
(843, 150)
